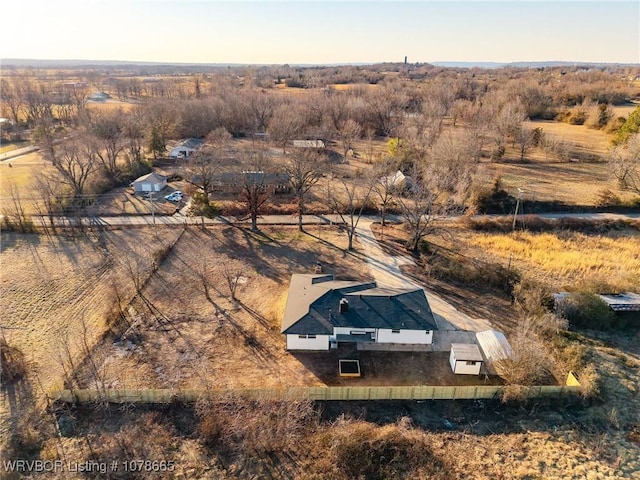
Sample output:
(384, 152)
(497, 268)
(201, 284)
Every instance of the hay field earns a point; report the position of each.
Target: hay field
(19, 173)
(53, 289)
(569, 182)
(561, 259)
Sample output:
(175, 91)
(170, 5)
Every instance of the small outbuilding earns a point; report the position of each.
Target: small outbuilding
(312, 144)
(465, 359)
(625, 305)
(495, 348)
(151, 182)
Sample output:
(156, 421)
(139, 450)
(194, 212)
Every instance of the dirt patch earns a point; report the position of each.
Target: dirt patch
(188, 332)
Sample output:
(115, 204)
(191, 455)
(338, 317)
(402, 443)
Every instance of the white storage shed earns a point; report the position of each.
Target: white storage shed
(465, 359)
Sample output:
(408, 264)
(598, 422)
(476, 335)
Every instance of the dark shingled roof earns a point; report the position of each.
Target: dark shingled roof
(313, 306)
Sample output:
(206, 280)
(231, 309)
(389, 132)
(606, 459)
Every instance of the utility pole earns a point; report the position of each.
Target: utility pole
(153, 213)
(515, 214)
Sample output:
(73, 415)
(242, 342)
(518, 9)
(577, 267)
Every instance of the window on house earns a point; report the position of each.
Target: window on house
(311, 336)
(302, 336)
(395, 331)
(470, 363)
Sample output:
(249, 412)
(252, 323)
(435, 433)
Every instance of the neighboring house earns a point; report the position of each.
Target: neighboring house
(186, 148)
(98, 97)
(271, 182)
(151, 182)
(322, 312)
(315, 144)
(465, 359)
(398, 182)
(495, 348)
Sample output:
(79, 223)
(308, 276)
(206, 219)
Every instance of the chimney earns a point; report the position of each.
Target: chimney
(344, 305)
(405, 59)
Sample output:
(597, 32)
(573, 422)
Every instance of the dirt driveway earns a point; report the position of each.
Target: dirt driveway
(453, 325)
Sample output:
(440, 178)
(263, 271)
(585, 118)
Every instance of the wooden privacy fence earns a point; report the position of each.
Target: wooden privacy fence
(307, 393)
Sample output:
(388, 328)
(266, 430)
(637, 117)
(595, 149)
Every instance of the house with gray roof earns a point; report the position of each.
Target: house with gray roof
(322, 312)
(186, 148)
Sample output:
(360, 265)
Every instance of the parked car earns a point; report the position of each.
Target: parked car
(174, 197)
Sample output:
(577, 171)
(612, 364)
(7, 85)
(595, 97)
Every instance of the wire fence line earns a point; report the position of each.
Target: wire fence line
(421, 392)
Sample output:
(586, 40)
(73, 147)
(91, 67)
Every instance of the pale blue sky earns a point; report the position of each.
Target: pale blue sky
(322, 32)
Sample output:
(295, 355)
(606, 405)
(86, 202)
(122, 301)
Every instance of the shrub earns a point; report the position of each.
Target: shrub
(362, 450)
(606, 198)
(587, 310)
(12, 363)
(530, 362)
(589, 381)
(533, 297)
(451, 266)
(200, 207)
(494, 200)
(255, 427)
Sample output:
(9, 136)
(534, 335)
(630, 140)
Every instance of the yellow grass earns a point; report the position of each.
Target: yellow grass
(9, 147)
(587, 139)
(572, 183)
(563, 259)
(111, 105)
(624, 110)
(19, 173)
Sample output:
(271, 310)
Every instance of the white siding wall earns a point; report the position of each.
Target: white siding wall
(294, 342)
(460, 367)
(405, 336)
(452, 361)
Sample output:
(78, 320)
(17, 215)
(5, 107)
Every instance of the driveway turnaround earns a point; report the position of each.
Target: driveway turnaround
(453, 325)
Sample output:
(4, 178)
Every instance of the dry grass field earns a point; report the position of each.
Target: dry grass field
(562, 259)
(187, 332)
(53, 289)
(19, 174)
(568, 182)
(58, 297)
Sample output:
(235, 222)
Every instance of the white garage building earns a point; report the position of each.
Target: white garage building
(151, 182)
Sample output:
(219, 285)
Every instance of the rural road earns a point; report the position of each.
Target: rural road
(17, 153)
(180, 219)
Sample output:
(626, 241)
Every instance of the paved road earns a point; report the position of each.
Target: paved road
(18, 152)
(180, 220)
(454, 326)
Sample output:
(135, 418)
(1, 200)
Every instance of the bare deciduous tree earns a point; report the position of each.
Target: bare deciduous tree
(625, 160)
(303, 168)
(348, 199)
(254, 190)
(204, 165)
(348, 133)
(286, 125)
(107, 127)
(384, 187)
